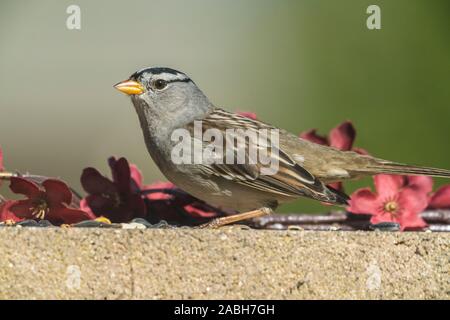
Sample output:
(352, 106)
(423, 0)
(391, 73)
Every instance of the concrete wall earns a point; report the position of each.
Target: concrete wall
(40, 263)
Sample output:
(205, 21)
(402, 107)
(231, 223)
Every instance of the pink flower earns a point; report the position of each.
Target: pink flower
(420, 183)
(5, 211)
(441, 198)
(176, 206)
(437, 200)
(51, 201)
(394, 201)
(250, 115)
(340, 137)
(118, 200)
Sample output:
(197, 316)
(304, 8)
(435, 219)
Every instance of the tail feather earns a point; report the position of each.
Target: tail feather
(338, 197)
(404, 169)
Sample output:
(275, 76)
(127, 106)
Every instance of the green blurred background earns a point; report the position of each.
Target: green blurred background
(297, 64)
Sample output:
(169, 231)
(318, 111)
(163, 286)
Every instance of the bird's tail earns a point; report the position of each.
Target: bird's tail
(383, 166)
(337, 197)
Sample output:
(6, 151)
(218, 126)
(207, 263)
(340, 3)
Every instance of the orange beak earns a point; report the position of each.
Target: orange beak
(130, 87)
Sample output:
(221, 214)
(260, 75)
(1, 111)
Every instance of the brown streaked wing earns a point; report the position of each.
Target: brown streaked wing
(290, 180)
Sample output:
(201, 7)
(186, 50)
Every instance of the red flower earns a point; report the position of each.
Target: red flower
(50, 202)
(118, 200)
(437, 200)
(176, 206)
(5, 212)
(340, 137)
(250, 115)
(394, 201)
(420, 183)
(441, 198)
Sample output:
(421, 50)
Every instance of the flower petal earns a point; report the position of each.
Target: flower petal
(99, 204)
(383, 217)
(136, 176)
(198, 211)
(94, 183)
(133, 206)
(121, 174)
(362, 151)
(387, 186)
(413, 201)
(411, 220)
(246, 114)
(159, 195)
(23, 208)
(312, 136)
(137, 204)
(342, 136)
(26, 187)
(363, 201)
(57, 192)
(64, 214)
(164, 210)
(336, 186)
(420, 183)
(441, 198)
(85, 206)
(6, 213)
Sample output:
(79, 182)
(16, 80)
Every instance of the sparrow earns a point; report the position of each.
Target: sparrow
(166, 100)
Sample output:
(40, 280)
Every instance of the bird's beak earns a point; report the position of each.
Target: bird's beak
(130, 87)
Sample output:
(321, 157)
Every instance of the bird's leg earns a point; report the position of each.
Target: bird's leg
(219, 222)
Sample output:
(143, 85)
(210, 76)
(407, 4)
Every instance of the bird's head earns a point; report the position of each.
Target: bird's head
(164, 93)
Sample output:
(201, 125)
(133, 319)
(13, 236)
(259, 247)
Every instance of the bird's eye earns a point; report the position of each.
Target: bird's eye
(160, 84)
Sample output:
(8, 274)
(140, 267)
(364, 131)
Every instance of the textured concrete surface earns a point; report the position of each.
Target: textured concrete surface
(38, 263)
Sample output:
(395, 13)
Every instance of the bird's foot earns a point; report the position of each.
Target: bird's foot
(219, 222)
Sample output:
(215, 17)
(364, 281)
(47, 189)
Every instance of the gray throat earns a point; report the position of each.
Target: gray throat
(157, 130)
